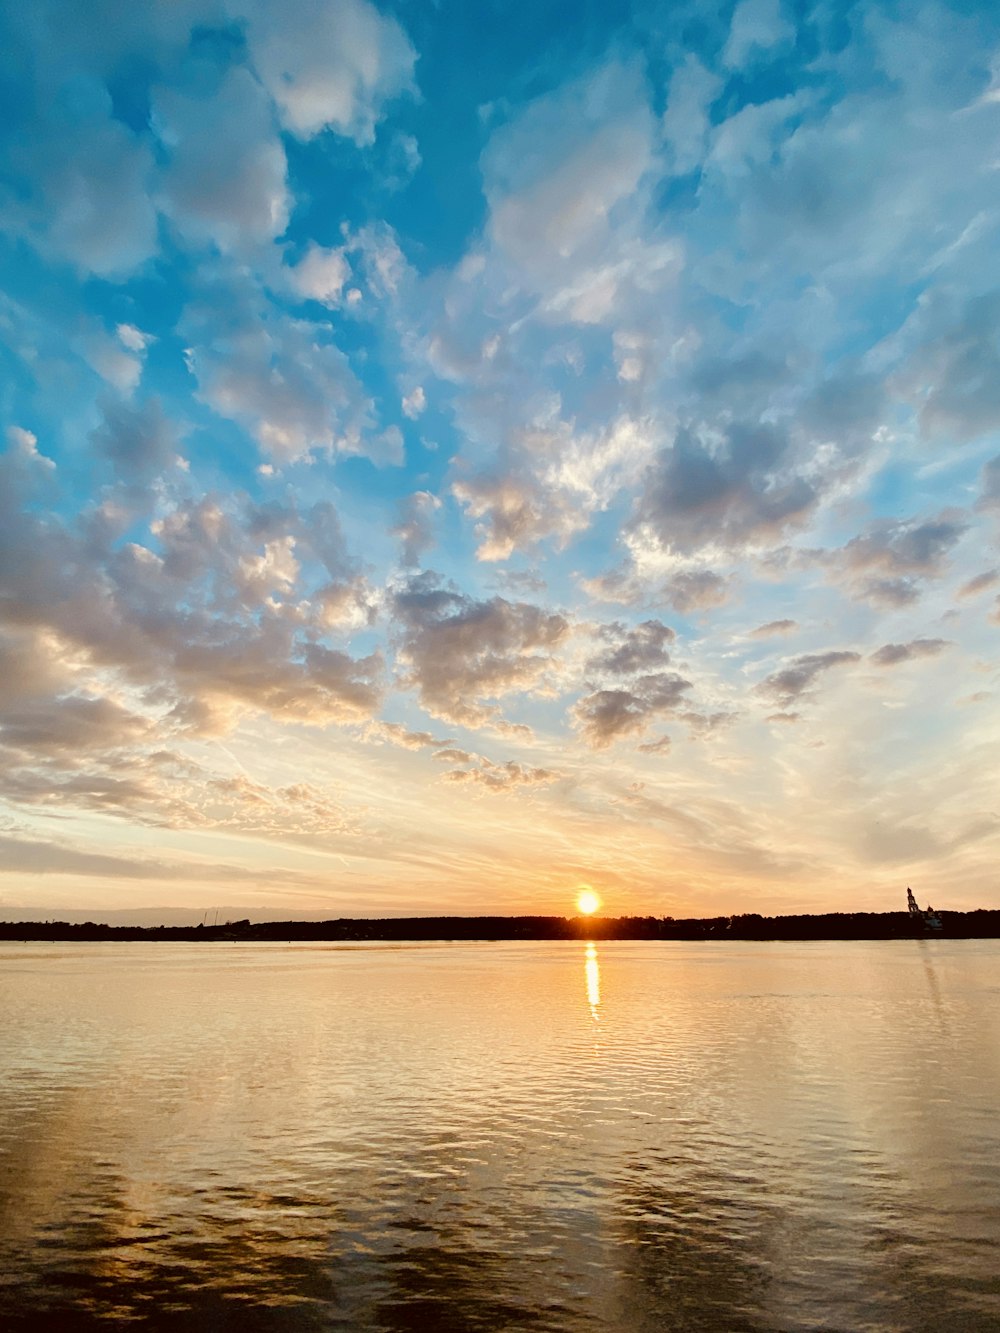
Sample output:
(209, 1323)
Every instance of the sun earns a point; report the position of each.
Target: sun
(587, 902)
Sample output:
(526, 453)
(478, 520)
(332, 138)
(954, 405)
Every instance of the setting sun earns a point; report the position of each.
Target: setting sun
(587, 902)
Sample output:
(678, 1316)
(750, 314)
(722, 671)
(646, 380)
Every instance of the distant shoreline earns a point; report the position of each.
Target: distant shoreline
(983, 923)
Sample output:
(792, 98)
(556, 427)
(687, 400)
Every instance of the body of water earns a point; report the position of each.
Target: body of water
(501, 1136)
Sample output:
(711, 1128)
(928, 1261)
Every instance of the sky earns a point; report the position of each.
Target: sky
(454, 453)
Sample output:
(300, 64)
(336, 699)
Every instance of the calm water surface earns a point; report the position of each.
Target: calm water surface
(539, 1136)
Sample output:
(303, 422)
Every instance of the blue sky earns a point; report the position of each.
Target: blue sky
(452, 455)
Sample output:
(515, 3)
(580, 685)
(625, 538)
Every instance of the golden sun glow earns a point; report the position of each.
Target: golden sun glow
(587, 902)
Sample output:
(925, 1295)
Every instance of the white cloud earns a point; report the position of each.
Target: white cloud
(115, 364)
(414, 403)
(464, 654)
(328, 64)
(282, 378)
(685, 121)
(757, 27)
(320, 274)
(557, 178)
(132, 338)
(225, 180)
(77, 159)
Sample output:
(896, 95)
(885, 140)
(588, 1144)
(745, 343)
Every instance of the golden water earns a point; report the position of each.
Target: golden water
(533, 1136)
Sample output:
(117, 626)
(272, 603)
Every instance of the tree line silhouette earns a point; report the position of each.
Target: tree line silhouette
(982, 923)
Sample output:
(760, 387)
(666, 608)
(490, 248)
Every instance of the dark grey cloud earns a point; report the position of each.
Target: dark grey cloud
(802, 674)
(892, 654)
(774, 627)
(73, 723)
(687, 591)
(138, 440)
(906, 546)
(462, 654)
(643, 648)
(696, 590)
(730, 489)
(607, 715)
(887, 563)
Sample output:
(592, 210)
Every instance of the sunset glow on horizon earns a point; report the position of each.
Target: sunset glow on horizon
(485, 455)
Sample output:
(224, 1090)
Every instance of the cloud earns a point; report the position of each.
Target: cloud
(30, 856)
(799, 677)
(116, 364)
(988, 579)
(414, 403)
(507, 777)
(550, 480)
(138, 441)
(607, 715)
(211, 617)
(637, 650)
(397, 734)
(731, 490)
(704, 724)
(453, 755)
(955, 373)
(511, 512)
(74, 159)
(328, 64)
(636, 687)
(892, 654)
(72, 723)
(696, 590)
(551, 211)
(281, 378)
(463, 654)
(686, 120)
(320, 274)
(29, 669)
(686, 591)
(225, 177)
(772, 628)
(757, 28)
(415, 528)
(886, 564)
(662, 745)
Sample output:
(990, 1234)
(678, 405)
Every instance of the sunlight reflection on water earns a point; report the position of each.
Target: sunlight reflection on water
(291, 1137)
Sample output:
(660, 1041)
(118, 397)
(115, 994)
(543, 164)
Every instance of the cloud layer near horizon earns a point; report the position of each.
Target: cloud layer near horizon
(437, 472)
